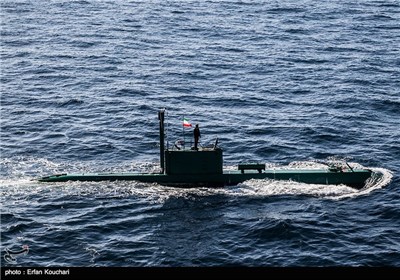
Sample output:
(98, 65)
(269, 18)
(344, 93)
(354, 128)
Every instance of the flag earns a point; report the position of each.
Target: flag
(186, 123)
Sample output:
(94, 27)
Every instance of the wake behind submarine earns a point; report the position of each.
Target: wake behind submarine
(188, 167)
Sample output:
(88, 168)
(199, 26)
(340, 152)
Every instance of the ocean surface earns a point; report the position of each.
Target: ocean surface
(296, 83)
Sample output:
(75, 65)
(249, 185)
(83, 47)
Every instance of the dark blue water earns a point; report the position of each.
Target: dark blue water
(283, 82)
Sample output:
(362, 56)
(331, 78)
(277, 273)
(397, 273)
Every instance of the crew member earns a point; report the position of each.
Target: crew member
(196, 134)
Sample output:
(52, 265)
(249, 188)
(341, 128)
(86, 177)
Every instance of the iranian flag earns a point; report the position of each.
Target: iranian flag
(186, 123)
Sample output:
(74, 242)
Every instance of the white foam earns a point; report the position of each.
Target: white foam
(380, 178)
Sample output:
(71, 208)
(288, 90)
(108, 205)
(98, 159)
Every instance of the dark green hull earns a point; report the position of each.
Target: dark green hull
(355, 178)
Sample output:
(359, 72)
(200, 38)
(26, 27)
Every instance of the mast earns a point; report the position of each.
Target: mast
(162, 148)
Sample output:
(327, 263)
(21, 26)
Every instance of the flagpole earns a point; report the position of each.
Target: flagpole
(167, 131)
(183, 132)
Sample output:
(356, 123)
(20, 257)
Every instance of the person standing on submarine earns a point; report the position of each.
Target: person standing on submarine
(197, 136)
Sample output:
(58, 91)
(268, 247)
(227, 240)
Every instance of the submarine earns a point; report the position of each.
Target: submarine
(188, 167)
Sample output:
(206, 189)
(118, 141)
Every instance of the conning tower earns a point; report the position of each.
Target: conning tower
(204, 161)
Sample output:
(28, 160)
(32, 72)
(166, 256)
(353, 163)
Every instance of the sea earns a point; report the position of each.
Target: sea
(287, 83)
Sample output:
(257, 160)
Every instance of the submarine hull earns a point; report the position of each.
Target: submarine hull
(354, 178)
